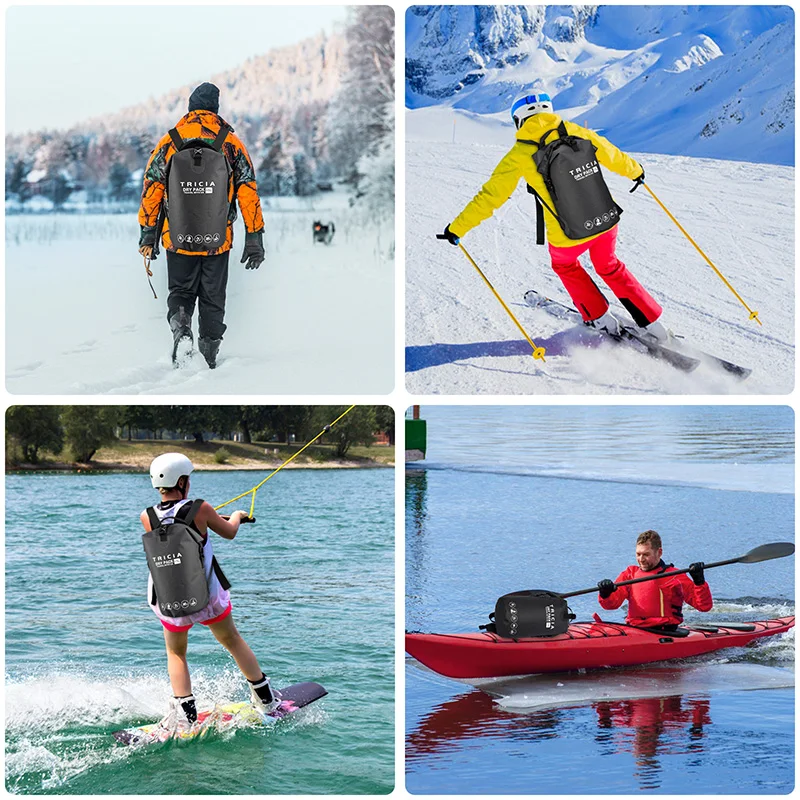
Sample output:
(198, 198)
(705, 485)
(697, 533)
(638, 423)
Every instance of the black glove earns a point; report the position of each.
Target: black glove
(253, 252)
(147, 238)
(637, 182)
(450, 236)
(697, 573)
(606, 588)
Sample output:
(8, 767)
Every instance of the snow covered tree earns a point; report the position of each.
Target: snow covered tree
(119, 182)
(362, 118)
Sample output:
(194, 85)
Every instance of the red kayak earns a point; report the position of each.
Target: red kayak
(586, 645)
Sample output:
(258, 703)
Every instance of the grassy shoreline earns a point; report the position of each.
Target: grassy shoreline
(124, 456)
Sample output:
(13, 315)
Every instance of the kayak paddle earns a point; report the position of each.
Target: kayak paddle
(766, 552)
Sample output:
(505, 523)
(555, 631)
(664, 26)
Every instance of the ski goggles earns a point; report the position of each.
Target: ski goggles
(531, 99)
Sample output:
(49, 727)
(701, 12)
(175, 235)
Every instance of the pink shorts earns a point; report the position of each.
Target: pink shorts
(178, 628)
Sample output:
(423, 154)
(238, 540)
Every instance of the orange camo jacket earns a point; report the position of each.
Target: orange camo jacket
(202, 125)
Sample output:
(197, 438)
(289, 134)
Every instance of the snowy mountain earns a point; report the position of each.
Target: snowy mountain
(306, 73)
(712, 81)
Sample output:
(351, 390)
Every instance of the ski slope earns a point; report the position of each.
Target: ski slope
(460, 341)
(81, 319)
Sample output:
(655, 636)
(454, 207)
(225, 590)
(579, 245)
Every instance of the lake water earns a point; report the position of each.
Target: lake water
(313, 584)
(553, 498)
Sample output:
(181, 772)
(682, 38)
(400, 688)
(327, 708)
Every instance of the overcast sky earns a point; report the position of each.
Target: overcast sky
(67, 63)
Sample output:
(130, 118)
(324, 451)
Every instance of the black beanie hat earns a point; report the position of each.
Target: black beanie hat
(205, 98)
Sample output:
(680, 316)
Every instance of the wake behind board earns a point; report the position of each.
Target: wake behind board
(293, 698)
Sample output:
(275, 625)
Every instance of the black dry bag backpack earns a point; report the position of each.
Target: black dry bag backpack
(175, 557)
(583, 204)
(198, 178)
(535, 612)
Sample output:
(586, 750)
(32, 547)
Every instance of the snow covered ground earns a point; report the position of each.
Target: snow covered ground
(80, 317)
(460, 341)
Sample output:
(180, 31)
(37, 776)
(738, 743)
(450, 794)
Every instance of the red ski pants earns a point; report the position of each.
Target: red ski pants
(586, 295)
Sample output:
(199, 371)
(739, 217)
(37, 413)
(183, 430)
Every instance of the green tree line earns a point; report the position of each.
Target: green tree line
(83, 430)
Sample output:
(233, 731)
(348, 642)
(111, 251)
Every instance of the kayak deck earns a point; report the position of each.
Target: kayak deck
(586, 645)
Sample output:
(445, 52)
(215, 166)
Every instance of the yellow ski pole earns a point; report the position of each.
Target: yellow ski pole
(753, 314)
(538, 352)
(278, 469)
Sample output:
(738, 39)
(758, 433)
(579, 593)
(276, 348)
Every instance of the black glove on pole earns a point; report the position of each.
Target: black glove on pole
(450, 236)
(253, 252)
(637, 182)
(606, 588)
(697, 573)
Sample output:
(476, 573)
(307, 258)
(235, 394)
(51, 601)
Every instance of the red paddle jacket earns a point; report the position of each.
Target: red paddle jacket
(655, 603)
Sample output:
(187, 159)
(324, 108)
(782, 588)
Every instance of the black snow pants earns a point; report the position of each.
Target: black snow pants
(204, 278)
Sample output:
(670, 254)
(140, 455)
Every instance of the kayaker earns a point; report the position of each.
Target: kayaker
(657, 603)
(169, 474)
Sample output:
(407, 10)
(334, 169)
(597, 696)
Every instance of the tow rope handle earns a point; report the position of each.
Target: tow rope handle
(241, 519)
(753, 314)
(538, 352)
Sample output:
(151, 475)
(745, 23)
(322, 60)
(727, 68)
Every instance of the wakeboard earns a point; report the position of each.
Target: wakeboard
(293, 698)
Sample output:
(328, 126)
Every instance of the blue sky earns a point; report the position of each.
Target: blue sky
(67, 63)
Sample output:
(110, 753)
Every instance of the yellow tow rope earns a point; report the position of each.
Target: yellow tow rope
(278, 469)
(538, 352)
(753, 314)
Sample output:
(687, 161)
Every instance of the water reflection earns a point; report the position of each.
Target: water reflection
(647, 728)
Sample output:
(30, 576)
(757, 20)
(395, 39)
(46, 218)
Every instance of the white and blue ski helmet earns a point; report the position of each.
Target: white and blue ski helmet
(529, 105)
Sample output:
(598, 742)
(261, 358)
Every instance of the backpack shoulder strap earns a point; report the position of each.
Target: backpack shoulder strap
(224, 130)
(176, 138)
(155, 522)
(223, 581)
(188, 511)
(539, 215)
(562, 130)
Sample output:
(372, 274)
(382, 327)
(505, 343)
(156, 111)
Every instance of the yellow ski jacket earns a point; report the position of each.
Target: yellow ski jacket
(518, 163)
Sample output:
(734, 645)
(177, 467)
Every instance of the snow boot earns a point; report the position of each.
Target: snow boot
(182, 340)
(209, 349)
(608, 323)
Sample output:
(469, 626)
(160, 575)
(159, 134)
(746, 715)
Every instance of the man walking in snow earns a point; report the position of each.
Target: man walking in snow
(534, 118)
(197, 265)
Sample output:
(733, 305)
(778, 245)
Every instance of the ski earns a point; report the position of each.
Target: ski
(563, 311)
(628, 336)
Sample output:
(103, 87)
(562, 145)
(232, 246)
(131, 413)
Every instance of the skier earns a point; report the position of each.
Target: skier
(169, 474)
(200, 272)
(656, 604)
(533, 116)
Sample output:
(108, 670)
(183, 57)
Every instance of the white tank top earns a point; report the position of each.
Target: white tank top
(219, 598)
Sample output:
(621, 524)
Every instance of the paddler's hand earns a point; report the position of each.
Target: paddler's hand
(697, 573)
(606, 588)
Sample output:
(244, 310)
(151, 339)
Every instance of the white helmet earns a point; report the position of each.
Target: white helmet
(168, 468)
(529, 105)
